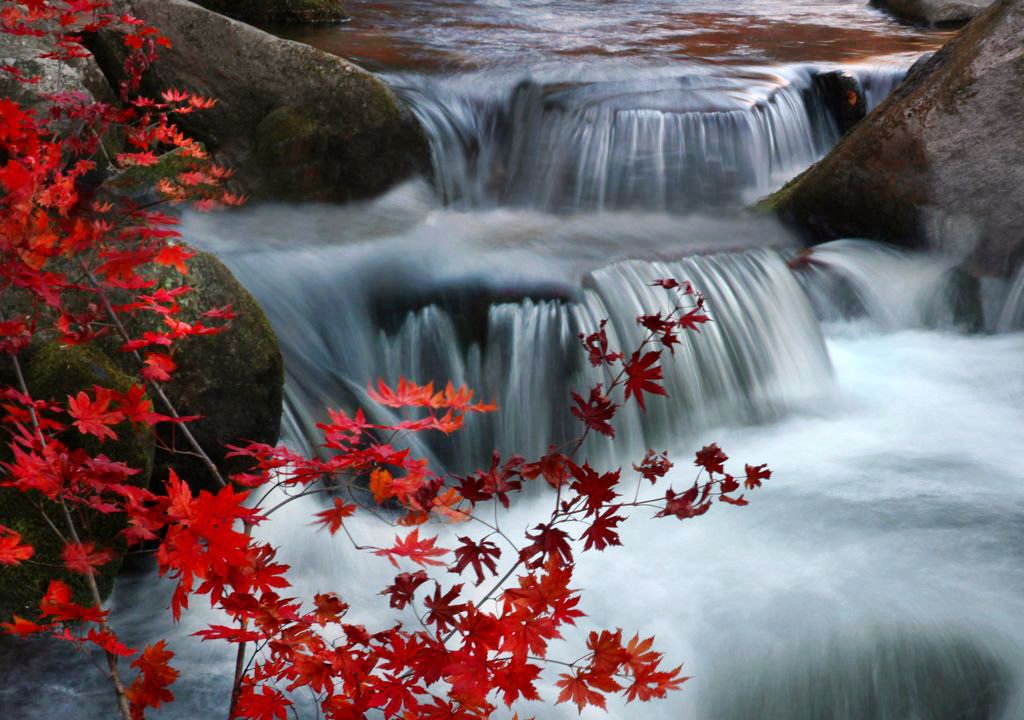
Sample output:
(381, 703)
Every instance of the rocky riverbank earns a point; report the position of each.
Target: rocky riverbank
(940, 163)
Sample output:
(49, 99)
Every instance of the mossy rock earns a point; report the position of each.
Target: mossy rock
(350, 135)
(233, 380)
(287, 143)
(139, 181)
(271, 12)
(53, 372)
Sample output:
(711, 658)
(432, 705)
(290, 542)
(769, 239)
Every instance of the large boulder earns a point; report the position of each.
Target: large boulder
(25, 54)
(934, 12)
(233, 380)
(296, 123)
(940, 163)
(52, 372)
(273, 12)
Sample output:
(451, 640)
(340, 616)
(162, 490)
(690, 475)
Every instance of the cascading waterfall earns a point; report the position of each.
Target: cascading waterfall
(655, 143)
(761, 356)
(1012, 316)
(878, 81)
(879, 285)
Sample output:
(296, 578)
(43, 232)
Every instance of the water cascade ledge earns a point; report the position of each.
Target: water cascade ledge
(761, 358)
(695, 138)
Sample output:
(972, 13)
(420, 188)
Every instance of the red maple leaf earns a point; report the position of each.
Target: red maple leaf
(642, 372)
(84, 558)
(693, 320)
(476, 555)
(596, 411)
(548, 542)
(515, 680)
(442, 609)
(553, 467)
(21, 626)
(174, 256)
(684, 506)
(404, 589)
(159, 367)
(94, 417)
(602, 532)
(332, 519)
(149, 690)
(596, 345)
(575, 689)
(711, 458)
(596, 489)
(422, 552)
(608, 653)
(262, 703)
(755, 474)
(12, 552)
(654, 466)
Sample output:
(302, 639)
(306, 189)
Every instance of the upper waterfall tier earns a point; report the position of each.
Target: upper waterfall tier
(665, 140)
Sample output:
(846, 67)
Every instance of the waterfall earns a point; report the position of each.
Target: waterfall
(1012, 316)
(878, 81)
(881, 286)
(655, 142)
(761, 356)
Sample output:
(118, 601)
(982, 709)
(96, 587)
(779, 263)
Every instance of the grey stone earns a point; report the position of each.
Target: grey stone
(940, 163)
(352, 137)
(934, 12)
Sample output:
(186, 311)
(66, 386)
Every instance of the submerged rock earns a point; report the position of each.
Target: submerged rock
(940, 163)
(934, 12)
(294, 122)
(270, 12)
(844, 97)
(53, 372)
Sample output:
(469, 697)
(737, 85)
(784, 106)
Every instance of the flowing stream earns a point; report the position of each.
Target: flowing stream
(581, 150)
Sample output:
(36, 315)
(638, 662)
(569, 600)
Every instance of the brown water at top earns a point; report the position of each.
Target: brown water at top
(444, 36)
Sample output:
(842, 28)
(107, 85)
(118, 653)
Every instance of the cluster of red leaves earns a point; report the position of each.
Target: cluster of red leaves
(78, 262)
(473, 649)
(77, 257)
(66, 245)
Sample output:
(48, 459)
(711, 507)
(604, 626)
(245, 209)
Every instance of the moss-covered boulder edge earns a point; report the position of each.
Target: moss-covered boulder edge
(279, 12)
(233, 380)
(295, 123)
(52, 372)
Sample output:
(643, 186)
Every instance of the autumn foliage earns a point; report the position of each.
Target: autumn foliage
(76, 264)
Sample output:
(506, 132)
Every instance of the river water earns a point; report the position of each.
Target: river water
(582, 149)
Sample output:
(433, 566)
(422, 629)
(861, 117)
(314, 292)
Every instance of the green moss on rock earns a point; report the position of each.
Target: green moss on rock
(233, 380)
(139, 180)
(53, 372)
(350, 135)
